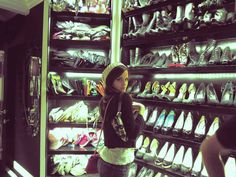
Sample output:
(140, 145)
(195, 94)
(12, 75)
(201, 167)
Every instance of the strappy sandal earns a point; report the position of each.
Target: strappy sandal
(164, 90)
(172, 91)
(182, 93)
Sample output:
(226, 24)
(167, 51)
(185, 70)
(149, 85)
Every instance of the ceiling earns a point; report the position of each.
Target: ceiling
(10, 8)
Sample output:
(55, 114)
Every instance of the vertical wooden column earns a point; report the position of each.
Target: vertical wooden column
(116, 31)
(43, 107)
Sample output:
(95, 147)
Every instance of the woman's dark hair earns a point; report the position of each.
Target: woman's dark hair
(115, 73)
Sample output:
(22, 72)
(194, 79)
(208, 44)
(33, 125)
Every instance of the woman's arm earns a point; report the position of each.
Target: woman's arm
(138, 107)
(211, 150)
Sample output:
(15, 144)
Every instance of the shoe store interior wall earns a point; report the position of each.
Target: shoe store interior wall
(181, 56)
(21, 39)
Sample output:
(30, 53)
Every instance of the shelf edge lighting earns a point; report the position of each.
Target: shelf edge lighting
(196, 76)
(84, 75)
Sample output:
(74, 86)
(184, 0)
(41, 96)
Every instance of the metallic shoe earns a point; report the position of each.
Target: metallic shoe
(215, 56)
(204, 56)
(226, 56)
(200, 95)
(227, 94)
(211, 95)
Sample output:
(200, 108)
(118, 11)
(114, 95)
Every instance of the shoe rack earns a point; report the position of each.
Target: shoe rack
(181, 57)
(78, 40)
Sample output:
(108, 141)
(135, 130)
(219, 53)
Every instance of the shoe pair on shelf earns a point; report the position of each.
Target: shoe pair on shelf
(168, 158)
(145, 172)
(164, 122)
(134, 87)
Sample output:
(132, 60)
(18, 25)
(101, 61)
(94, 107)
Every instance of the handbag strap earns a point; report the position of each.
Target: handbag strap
(105, 113)
(120, 103)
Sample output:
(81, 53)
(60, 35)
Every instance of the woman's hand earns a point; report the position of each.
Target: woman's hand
(138, 107)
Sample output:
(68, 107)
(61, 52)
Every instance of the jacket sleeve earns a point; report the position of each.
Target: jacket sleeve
(132, 125)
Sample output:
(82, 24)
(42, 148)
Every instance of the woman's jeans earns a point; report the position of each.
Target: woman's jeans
(109, 170)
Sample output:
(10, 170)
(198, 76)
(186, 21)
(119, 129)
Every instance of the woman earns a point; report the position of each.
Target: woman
(117, 155)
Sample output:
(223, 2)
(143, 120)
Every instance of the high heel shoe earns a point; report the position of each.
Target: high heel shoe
(172, 92)
(193, 54)
(211, 95)
(188, 16)
(160, 121)
(140, 153)
(183, 54)
(142, 29)
(204, 56)
(160, 157)
(178, 125)
(158, 23)
(178, 159)
(164, 90)
(169, 157)
(227, 94)
(168, 124)
(152, 118)
(154, 90)
(200, 95)
(197, 167)
(191, 92)
(215, 56)
(178, 19)
(149, 157)
(187, 164)
(214, 127)
(147, 90)
(182, 93)
(200, 129)
(230, 167)
(226, 56)
(219, 17)
(188, 125)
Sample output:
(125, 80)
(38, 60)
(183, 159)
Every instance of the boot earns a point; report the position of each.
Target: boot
(178, 19)
(188, 16)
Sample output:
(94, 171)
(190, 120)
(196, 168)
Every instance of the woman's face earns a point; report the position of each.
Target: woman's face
(121, 82)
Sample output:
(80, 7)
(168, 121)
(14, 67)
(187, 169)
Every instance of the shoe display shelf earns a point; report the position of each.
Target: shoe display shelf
(199, 69)
(158, 6)
(157, 169)
(220, 109)
(178, 140)
(60, 99)
(181, 36)
(139, 19)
